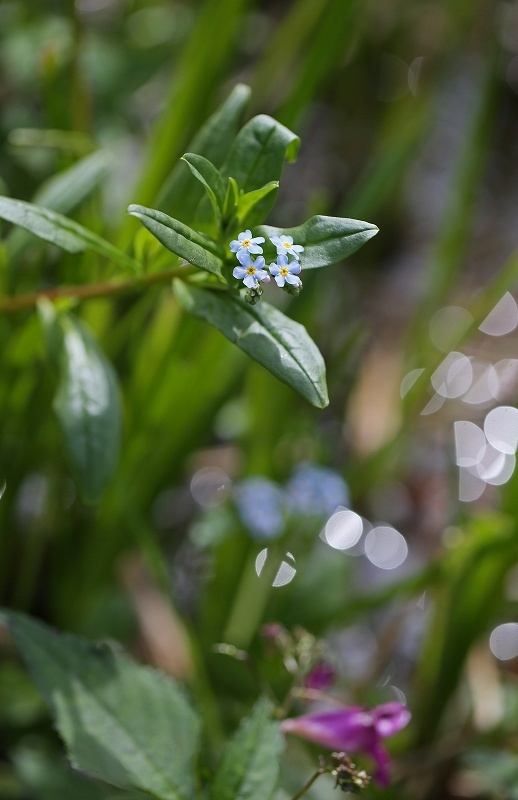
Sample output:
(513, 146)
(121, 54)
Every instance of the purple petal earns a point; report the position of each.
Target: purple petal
(341, 729)
(390, 718)
(254, 248)
(250, 281)
(321, 677)
(239, 272)
(381, 757)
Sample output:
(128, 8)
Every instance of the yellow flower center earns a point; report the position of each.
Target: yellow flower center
(287, 244)
(284, 271)
(250, 270)
(246, 243)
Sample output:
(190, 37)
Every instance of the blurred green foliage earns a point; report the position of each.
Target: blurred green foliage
(408, 117)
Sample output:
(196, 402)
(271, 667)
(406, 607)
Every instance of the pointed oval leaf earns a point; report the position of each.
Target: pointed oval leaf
(278, 343)
(210, 177)
(257, 157)
(61, 231)
(326, 240)
(87, 404)
(124, 723)
(180, 239)
(249, 209)
(180, 195)
(250, 765)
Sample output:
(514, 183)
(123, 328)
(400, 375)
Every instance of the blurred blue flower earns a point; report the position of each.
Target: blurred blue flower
(246, 244)
(250, 271)
(285, 246)
(261, 505)
(284, 272)
(316, 491)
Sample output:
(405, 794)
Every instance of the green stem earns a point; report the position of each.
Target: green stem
(309, 784)
(250, 600)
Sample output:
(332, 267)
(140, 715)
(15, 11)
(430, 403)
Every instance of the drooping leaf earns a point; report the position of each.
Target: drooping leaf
(250, 765)
(210, 177)
(248, 214)
(185, 242)
(326, 240)
(124, 723)
(87, 404)
(180, 195)
(61, 231)
(281, 345)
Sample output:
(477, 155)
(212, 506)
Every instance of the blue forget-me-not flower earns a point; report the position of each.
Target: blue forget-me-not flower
(285, 246)
(250, 271)
(285, 272)
(261, 505)
(246, 244)
(316, 491)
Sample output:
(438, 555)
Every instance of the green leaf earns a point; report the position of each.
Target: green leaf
(61, 231)
(180, 196)
(327, 240)
(257, 157)
(249, 209)
(250, 764)
(180, 239)
(123, 723)
(265, 334)
(210, 177)
(231, 199)
(87, 404)
(259, 151)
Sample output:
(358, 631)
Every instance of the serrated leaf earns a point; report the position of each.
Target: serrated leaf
(180, 195)
(87, 404)
(250, 766)
(326, 240)
(210, 177)
(281, 345)
(249, 207)
(61, 231)
(124, 723)
(180, 239)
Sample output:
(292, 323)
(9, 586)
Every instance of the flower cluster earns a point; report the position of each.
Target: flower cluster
(252, 271)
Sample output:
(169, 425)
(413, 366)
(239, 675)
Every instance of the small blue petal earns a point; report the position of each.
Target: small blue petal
(239, 272)
(250, 281)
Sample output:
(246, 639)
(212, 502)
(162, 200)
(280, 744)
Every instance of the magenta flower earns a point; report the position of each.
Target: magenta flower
(353, 729)
(321, 677)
